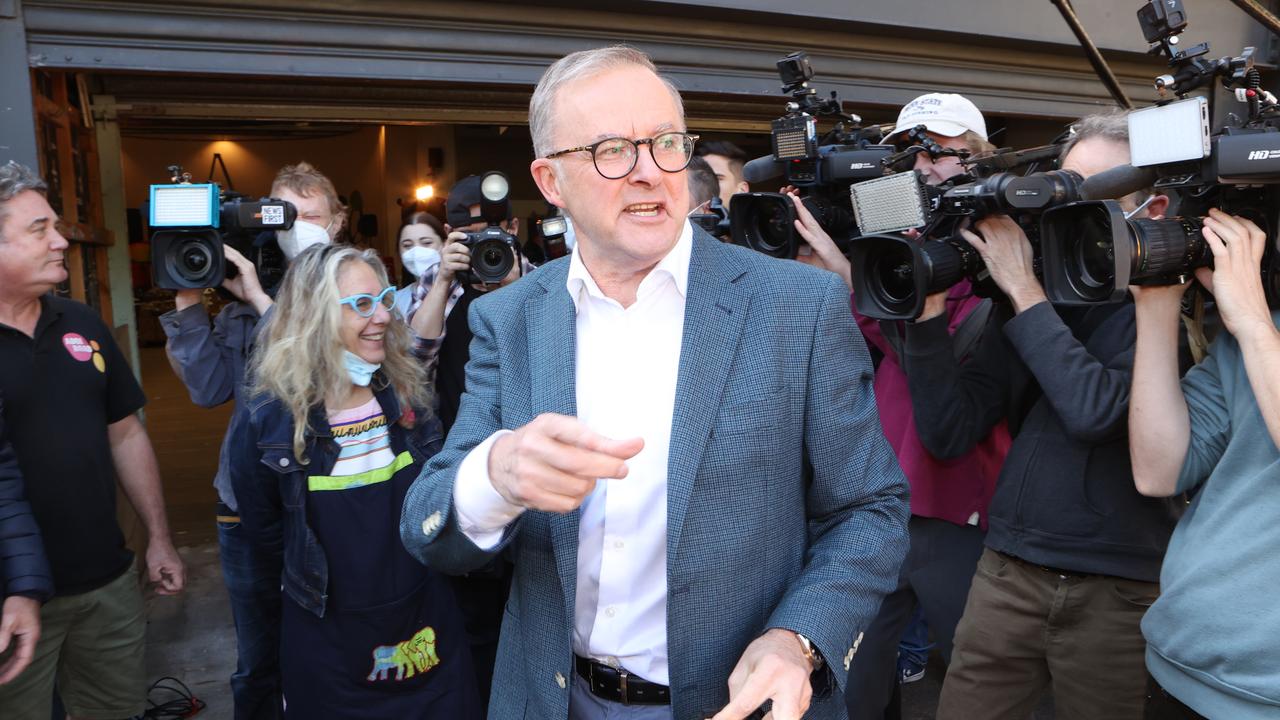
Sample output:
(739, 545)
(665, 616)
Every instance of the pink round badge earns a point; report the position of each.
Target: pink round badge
(77, 346)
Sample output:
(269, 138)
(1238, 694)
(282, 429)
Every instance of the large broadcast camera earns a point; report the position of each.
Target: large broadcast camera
(893, 274)
(1093, 252)
(192, 222)
(822, 169)
(494, 251)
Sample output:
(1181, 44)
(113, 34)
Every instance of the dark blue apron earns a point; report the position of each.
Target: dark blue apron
(391, 643)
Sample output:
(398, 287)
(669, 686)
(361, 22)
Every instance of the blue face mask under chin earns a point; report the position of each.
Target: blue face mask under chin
(358, 369)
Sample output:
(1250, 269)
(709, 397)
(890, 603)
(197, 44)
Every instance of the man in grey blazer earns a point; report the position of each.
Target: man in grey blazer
(675, 440)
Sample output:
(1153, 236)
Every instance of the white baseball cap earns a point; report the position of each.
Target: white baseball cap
(946, 114)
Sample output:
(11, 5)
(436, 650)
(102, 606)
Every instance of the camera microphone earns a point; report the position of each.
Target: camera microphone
(1117, 182)
(762, 169)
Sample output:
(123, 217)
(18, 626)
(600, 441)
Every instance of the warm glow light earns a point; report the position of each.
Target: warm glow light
(424, 192)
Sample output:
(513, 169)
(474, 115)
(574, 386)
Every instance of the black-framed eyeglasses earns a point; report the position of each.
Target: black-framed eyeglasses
(615, 157)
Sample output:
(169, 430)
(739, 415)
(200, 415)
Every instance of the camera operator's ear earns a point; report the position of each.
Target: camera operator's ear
(545, 176)
(1158, 206)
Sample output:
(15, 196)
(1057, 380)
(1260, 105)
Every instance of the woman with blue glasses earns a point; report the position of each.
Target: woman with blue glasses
(337, 426)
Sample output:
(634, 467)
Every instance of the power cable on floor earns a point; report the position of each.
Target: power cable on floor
(175, 700)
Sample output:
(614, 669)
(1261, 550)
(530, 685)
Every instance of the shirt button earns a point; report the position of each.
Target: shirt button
(561, 681)
(284, 462)
(618, 544)
(610, 611)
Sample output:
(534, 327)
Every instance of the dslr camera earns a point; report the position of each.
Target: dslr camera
(192, 222)
(494, 251)
(893, 274)
(1093, 252)
(821, 168)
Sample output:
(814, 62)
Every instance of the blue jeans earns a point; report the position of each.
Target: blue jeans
(253, 583)
(914, 646)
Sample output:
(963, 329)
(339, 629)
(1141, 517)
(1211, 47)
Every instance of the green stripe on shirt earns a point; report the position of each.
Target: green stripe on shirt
(316, 483)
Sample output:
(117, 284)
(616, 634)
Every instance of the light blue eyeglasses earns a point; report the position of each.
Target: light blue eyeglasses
(366, 305)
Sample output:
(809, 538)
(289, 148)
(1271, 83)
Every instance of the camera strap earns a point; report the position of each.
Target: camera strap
(963, 340)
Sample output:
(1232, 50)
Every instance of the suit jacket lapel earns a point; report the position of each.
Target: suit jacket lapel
(552, 328)
(715, 312)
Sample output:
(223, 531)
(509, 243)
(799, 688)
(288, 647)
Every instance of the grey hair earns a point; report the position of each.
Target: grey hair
(1112, 125)
(16, 179)
(578, 66)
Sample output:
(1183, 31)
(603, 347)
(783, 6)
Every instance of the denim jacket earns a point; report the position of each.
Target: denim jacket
(211, 362)
(271, 484)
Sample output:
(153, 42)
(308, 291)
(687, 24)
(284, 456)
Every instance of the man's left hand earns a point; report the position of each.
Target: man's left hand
(165, 568)
(773, 667)
(1007, 253)
(20, 626)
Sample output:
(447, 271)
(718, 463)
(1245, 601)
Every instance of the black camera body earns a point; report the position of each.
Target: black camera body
(494, 251)
(715, 221)
(192, 222)
(821, 168)
(1093, 253)
(894, 274)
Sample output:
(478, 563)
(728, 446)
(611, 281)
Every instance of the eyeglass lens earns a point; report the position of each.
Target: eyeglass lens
(614, 158)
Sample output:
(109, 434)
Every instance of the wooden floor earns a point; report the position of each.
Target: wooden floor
(186, 438)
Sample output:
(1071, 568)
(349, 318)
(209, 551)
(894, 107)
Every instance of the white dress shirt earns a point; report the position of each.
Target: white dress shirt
(627, 364)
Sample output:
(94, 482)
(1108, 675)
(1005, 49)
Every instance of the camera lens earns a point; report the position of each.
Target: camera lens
(1091, 254)
(193, 261)
(891, 275)
(491, 261)
(1166, 248)
(773, 230)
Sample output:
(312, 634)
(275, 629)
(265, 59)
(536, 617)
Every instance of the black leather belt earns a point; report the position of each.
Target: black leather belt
(1060, 572)
(618, 685)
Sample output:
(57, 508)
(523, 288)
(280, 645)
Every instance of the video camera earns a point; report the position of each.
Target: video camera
(192, 222)
(822, 169)
(494, 251)
(1093, 253)
(715, 220)
(893, 274)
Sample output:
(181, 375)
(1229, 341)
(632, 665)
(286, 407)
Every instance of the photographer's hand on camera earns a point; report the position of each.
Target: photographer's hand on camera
(1236, 281)
(245, 285)
(553, 463)
(455, 258)
(1007, 253)
(825, 253)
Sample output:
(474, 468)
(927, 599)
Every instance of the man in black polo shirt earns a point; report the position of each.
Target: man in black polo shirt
(70, 410)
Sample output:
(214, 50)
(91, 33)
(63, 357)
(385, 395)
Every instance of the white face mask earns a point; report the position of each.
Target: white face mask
(418, 259)
(358, 369)
(300, 237)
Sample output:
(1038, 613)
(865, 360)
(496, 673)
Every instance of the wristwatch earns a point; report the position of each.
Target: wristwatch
(811, 652)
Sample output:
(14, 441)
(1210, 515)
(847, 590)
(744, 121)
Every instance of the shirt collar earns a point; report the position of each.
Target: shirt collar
(674, 265)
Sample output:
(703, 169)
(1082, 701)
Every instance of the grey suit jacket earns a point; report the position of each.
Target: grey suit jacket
(785, 505)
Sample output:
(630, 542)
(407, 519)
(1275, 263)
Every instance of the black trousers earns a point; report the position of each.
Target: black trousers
(936, 576)
(1163, 706)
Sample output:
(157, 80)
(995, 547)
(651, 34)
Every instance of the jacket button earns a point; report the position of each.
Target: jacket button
(561, 681)
(431, 524)
(284, 462)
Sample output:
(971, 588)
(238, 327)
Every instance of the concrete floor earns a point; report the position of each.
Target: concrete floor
(190, 637)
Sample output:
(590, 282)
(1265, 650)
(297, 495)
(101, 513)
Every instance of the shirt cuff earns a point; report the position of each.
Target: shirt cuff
(483, 514)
